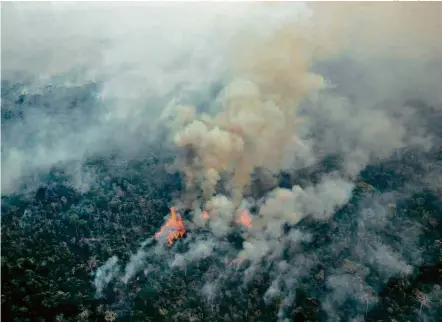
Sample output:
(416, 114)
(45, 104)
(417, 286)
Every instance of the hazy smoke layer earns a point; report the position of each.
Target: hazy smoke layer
(243, 93)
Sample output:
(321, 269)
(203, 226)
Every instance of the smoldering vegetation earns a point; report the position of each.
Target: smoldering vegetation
(300, 143)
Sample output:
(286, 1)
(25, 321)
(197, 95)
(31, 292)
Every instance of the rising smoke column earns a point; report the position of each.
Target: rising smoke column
(273, 75)
(257, 123)
(257, 119)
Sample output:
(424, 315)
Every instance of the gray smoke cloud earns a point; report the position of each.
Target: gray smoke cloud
(140, 56)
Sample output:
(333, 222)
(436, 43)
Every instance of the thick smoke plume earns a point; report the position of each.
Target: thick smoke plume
(243, 94)
(256, 123)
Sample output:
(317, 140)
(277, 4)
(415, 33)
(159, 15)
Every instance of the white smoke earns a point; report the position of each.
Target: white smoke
(105, 274)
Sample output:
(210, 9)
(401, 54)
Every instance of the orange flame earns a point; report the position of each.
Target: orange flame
(244, 218)
(205, 215)
(175, 227)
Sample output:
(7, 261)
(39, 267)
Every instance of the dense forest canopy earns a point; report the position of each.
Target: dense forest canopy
(219, 162)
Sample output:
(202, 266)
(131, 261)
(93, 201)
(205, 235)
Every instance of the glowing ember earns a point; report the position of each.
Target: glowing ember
(174, 227)
(205, 215)
(244, 218)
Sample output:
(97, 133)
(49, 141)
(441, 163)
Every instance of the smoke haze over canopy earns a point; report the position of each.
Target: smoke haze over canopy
(241, 93)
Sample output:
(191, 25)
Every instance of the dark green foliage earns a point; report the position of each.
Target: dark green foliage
(53, 241)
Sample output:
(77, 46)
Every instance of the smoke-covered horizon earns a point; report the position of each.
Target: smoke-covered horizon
(238, 94)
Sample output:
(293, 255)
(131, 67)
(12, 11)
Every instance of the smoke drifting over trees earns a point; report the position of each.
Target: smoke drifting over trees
(296, 138)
